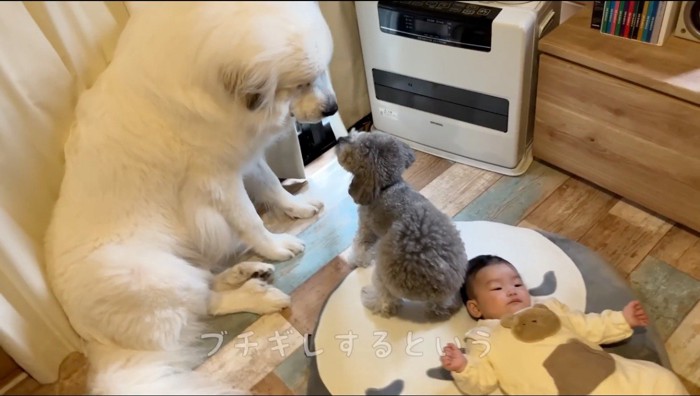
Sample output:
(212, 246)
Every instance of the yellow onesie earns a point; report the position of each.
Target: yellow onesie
(549, 349)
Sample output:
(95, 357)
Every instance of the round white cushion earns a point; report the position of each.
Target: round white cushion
(356, 352)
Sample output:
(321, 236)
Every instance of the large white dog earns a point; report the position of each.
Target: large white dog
(166, 149)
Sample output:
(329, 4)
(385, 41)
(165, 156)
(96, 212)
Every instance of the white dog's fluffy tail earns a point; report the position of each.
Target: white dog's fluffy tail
(120, 371)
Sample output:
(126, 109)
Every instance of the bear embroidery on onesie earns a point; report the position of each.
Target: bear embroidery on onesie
(576, 368)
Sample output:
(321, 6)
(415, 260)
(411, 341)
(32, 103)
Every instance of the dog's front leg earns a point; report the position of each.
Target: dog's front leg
(378, 299)
(242, 216)
(262, 184)
(361, 252)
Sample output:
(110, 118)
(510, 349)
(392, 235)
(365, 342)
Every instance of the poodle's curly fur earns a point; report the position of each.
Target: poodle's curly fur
(417, 249)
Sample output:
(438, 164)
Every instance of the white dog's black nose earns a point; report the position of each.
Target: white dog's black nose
(330, 109)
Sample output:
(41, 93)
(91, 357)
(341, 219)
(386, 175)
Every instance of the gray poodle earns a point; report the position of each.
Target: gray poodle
(417, 249)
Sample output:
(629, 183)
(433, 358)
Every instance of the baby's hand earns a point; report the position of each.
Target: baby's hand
(635, 315)
(453, 359)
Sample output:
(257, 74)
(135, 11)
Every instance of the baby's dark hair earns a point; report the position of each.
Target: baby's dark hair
(475, 265)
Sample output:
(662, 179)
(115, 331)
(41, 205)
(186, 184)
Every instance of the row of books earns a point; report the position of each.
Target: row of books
(645, 21)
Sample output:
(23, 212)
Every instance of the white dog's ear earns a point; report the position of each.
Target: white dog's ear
(255, 85)
(364, 188)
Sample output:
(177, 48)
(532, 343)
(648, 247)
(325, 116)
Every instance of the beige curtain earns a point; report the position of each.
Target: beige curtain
(347, 66)
(49, 53)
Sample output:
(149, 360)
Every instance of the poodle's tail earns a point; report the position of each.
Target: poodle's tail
(115, 370)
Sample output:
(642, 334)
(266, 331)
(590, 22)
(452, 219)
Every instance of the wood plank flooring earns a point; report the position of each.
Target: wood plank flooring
(660, 259)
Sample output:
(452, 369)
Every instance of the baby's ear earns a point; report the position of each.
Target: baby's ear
(364, 188)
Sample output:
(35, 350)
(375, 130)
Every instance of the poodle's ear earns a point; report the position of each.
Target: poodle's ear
(364, 188)
(255, 85)
(407, 154)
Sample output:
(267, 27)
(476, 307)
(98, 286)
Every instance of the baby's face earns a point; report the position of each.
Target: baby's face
(499, 291)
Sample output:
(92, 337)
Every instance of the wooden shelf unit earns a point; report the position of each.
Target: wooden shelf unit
(622, 114)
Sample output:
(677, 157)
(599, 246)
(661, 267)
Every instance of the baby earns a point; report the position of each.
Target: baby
(546, 348)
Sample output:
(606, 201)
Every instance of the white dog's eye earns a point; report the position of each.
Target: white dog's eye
(300, 86)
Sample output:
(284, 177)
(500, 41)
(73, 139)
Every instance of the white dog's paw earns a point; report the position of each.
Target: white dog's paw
(269, 299)
(241, 272)
(280, 247)
(302, 208)
(275, 300)
(255, 296)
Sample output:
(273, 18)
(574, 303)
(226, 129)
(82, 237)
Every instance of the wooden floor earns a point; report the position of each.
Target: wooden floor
(660, 259)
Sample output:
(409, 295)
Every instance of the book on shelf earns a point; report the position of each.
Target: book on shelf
(645, 21)
(597, 16)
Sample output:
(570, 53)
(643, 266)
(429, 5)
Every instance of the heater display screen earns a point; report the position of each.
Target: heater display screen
(453, 23)
(437, 29)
